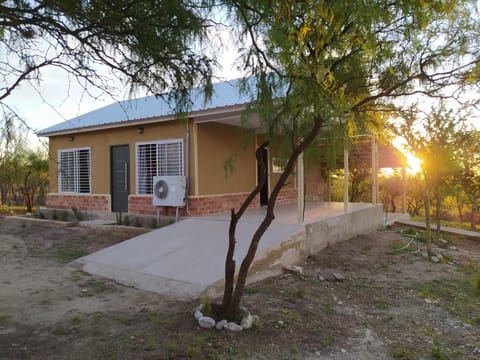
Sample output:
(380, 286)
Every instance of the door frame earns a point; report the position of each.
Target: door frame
(265, 190)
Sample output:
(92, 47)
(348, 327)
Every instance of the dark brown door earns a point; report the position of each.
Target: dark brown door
(120, 184)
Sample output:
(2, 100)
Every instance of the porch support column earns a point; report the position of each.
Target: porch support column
(345, 178)
(404, 189)
(300, 190)
(374, 170)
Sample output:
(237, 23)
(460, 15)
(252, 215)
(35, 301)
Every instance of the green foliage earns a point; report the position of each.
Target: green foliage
(153, 44)
(77, 214)
(154, 223)
(460, 296)
(68, 255)
(402, 354)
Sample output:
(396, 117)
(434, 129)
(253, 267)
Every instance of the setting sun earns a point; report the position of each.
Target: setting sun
(413, 163)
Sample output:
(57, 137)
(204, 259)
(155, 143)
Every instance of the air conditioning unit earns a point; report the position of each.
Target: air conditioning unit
(169, 190)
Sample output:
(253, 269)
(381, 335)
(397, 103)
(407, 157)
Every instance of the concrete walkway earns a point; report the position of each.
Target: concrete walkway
(445, 229)
(187, 259)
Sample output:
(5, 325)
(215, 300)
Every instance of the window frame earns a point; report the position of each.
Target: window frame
(140, 189)
(77, 184)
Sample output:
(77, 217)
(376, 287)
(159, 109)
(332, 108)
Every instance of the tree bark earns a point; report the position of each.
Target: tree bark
(234, 218)
(233, 309)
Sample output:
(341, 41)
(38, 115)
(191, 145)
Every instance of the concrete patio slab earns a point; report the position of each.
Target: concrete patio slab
(186, 259)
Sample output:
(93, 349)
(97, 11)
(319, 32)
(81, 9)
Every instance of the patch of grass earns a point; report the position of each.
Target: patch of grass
(3, 317)
(296, 294)
(470, 267)
(126, 220)
(194, 349)
(151, 344)
(77, 214)
(313, 328)
(439, 351)
(137, 222)
(381, 304)
(460, 296)
(328, 309)
(155, 319)
(98, 286)
(64, 215)
(402, 354)
(250, 291)
(68, 255)
(75, 319)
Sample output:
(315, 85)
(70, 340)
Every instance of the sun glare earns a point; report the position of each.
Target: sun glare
(414, 164)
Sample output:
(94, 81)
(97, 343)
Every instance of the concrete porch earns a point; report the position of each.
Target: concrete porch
(186, 259)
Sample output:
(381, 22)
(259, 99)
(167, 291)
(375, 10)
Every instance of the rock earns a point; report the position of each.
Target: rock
(293, 269)
(255, 320)
(198, 314)
(338, 277)
(321, 278)
(435, 259)
(247, 322)
(220, 325)
(206, 322)
(231, 326)
(244, 311)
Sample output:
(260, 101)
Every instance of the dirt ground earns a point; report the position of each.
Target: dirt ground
(389, 306)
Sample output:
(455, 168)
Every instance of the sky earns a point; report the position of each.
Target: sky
(57, 97)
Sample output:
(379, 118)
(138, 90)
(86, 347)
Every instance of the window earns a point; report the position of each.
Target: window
(157, 159)
(74, 170)
(278, 165)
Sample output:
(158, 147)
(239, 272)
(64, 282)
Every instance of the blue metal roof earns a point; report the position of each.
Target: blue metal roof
(225, 93)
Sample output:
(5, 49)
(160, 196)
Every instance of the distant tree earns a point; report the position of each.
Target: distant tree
(415, 194)
(467, 156)
(34, 177)
(12, 147)
(391, 189)
(432, 138)
(359, 184)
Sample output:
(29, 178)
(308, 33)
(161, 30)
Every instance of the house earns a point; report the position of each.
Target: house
(104, 161)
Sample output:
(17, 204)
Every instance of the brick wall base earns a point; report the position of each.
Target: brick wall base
(82, 202)
(142, 204)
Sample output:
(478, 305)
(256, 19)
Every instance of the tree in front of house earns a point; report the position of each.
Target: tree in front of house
(337, 66)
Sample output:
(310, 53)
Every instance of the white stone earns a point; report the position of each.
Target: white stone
(231, 326)
(221, 324)
(247, 322)
(206, 322)
(198, 314)
(338, 276)
(435, 259)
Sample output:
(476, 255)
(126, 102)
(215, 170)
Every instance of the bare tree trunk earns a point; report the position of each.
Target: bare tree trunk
(233, 309)
(438, 205)
(428, 234)
(473, 219)
(234, 218)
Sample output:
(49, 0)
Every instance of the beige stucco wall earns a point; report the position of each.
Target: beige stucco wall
(215, 144)
(100, 142)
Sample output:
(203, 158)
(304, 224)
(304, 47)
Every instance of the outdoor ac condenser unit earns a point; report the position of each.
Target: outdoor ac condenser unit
(169, 190)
